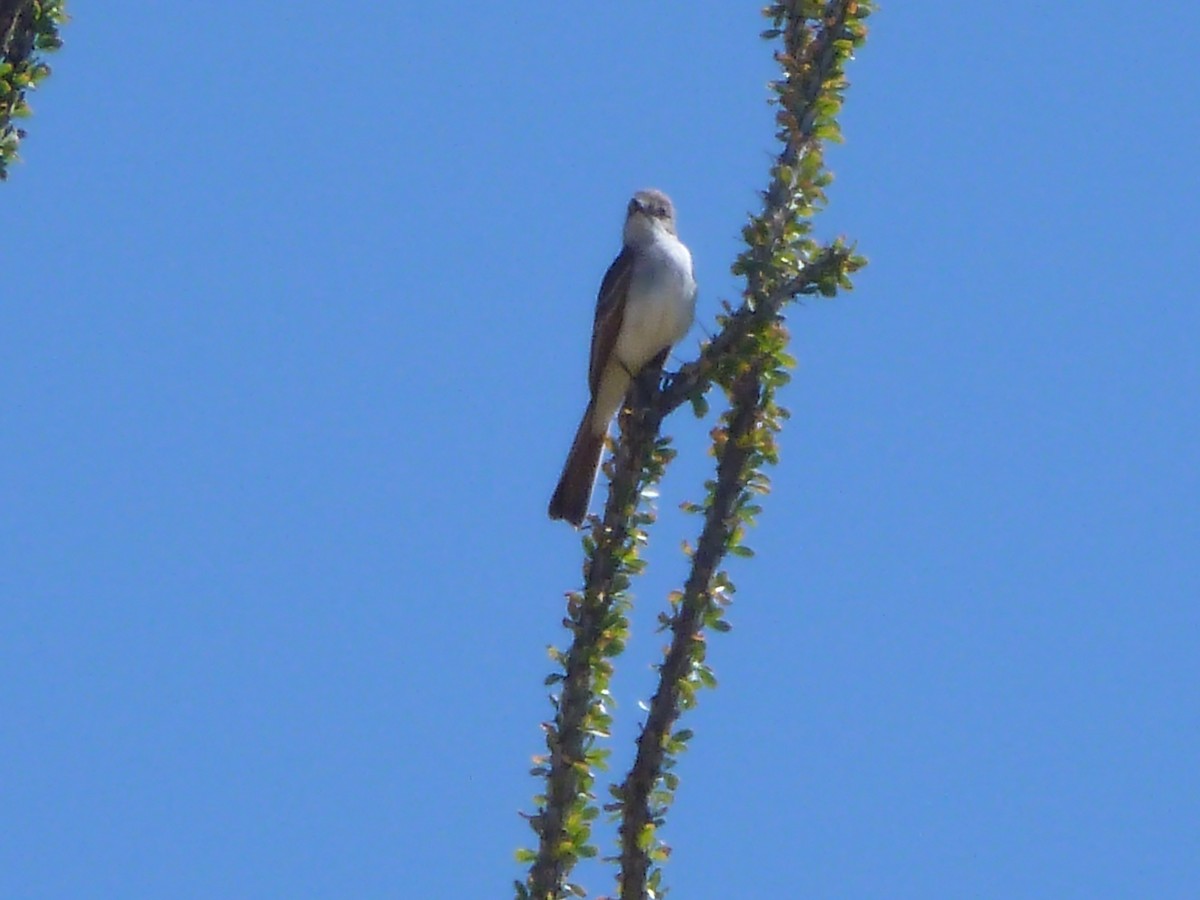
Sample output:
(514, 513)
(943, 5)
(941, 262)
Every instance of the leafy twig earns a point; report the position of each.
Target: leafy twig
(596, 618)
(748, 359)
(28, 28)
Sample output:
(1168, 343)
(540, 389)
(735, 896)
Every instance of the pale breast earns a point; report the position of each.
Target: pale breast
(661, 304)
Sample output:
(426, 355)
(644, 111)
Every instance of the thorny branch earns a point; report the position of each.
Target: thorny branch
(781, 262)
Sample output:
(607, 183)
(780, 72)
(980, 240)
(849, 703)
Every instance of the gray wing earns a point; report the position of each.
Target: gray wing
(610, 312)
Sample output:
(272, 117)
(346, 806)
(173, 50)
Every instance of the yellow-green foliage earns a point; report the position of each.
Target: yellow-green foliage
(28, 30)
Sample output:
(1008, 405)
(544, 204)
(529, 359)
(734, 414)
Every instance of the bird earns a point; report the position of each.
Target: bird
(646, 304)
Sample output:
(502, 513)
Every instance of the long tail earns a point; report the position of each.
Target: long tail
(570, 500)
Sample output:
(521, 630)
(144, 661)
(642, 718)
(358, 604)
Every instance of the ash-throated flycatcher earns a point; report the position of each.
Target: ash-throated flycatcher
(646, 304)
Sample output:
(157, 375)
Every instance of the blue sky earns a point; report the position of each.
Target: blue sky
(294, 340)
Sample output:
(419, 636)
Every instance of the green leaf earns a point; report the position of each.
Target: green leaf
(645, 837)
